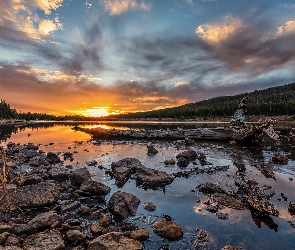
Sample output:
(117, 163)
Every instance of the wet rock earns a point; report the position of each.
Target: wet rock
(39, 195)
(291, 136)
(121, 171)
(96, 229)
(182, 162)
(32, 146)
(84, 210)
(110, 229)
(38, 161)
(30, 180)
(190, 155)
(3, 237)
(221, 216)
(262, 206)
(70, 206)
(91, 163)
(149, 206)
(140, 234)
(75, 235)
(291, 207)
(45, 240)
(209, 188)
(152, 178)
(59, 173)
(212, 208)
(277, 158)
(227, 201)
(40, 221)
(202, 158)
(152, 150)
(168, 230)
(5, 228)
(228, 247)
(91, 187)
(169, 162)
(114, 241)
(11, 174)
(189, 142)
(52, 158)
(95, 214)
(79, 176)
(202, 239)
(104, 220)
(12, 241)
(123, 204)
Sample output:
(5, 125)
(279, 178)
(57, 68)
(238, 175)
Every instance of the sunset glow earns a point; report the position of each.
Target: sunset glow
(69, 57)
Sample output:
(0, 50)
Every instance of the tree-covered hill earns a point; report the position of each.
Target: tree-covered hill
(273, 101)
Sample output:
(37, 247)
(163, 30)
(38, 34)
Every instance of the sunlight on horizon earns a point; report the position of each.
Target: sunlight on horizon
(95, 112)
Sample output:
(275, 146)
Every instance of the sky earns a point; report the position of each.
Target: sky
(99, 57)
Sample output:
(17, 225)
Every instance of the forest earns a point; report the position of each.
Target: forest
(273, 101)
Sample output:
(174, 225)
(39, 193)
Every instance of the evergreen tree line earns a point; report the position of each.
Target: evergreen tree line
(273, 101)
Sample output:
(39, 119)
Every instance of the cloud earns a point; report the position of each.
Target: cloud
(288, 27)
(47, 26)
(117, 7)
(219, 31)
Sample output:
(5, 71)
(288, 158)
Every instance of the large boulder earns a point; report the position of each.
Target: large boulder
(114, 241)
(168, 230)
(39, 195)
(123, 204)
(43, 241)
(91, 187)
(79, 176)
(52, 158)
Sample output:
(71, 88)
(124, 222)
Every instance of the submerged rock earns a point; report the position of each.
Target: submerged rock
(202, 239)
(114, 241)
(149, 206)
(227, 201)
(123, 204)
(209, 188)
(168, 230)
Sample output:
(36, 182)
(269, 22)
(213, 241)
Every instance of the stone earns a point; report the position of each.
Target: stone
(169, 162)
(152, 150)
(30, 180)
(228, 247)
(152, 178)
(104, 220)
(79, 176)
(140, 234)
(70, 206)
(182, 162)
(91, 187)
(209, 188)
(45, 240)
(190, 155)
(96, 229)
(39, 195)
(59, 173)
(114, 241)
(84, 210)
(123, 204)
(4, 236)
(5, 228)
(277, 158)
(227, 201)
(149, 206)
(168, 230)
(75, 235)
(52, 158)
(12, 240)
(202, 239)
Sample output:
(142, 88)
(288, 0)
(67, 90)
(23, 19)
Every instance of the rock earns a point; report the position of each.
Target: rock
(43, 241)
(152, 150)
(152, 178)
(90, 187)
(123, 204)
(140, 235)
(291, 136)
(104, 220)
(121, 172)
(30, 180)
(79, 176)
(114, 241)
(209, 188)
(149, 206)
(95, 215)
(84, 210)
(202, 239)
(4, 228)
(201, 157)
(32, 146)
(40, 221)
(189, 142)
(38, 161)
(110, 229)
(12, 241)
(71, 206)
(182, 162)
(190, 155)
(169, 162)
(262, 206)
(3, 237)
(39, 195)
(228, 247)
(75, 235)
(277, 158)
(168, 230)
(91, 163)
(59, 173)
(52, 158)
(291, 207)
(227, 201)
(96, 229)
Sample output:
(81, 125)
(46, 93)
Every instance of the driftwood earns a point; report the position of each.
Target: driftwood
(252, 134)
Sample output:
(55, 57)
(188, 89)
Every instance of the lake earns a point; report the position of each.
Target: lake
(181, 200)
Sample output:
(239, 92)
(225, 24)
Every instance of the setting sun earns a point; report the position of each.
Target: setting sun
(96, 112)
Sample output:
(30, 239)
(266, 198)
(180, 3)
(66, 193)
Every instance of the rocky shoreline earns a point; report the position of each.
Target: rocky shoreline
(52, 206)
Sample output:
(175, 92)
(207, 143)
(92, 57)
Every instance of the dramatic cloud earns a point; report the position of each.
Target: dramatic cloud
(47, 26)
(117, 7)
(288, 27)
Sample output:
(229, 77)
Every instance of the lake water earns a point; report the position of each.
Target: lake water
(179, 199)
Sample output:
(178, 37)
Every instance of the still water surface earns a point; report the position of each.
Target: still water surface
(177, 199)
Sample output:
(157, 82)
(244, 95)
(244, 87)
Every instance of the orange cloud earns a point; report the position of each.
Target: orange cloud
(288, 27)
(219, 31)
(117, 7)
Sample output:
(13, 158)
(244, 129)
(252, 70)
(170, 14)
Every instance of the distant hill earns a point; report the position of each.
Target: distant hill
(273, 101)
